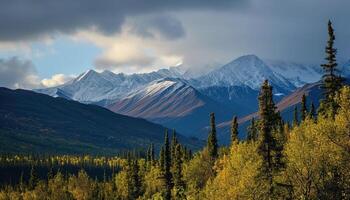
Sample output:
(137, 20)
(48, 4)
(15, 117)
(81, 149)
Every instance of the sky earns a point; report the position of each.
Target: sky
(46, 43)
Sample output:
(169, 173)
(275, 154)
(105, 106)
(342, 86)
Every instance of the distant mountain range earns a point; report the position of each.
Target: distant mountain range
(176, 99)
(37, 123)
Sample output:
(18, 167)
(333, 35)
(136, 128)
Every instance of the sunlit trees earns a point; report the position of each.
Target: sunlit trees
(238, 177)
(81, 186)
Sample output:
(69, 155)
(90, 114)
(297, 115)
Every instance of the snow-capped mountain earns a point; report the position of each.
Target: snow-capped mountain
(298, 74)
(173, 103)
(244, 71)
(237, 84)
(94, 87)
(156, 100)
(178, 98)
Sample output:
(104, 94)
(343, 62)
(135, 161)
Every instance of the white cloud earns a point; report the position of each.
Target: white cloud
(57, 79)
(130, 53)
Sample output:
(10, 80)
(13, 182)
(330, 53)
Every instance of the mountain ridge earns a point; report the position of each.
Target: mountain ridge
(36, 122)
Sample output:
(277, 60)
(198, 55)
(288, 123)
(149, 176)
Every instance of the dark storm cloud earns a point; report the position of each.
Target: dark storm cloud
(167, 26)
(27, 19)
(17, 73)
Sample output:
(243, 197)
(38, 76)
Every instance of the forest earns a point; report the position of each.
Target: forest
(306, 159)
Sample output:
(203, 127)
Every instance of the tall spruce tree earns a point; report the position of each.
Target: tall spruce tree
(252, 132)
(152, 156)
(148, 155)
(179, 184)
(312, 113)
(303, 109)
(166, 168)
(234, 130)
(33, 178)
(212, 140)
(174, 143)
(295, 117)
(267, 142)
(135, 180)
(161, 158)
(331, 80)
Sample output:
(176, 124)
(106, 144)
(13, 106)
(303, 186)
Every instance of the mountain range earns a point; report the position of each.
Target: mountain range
(173, 98)
(36, 123)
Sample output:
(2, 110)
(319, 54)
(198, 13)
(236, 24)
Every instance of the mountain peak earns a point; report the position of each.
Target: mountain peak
(88, 73)
(249, 57)
(248, 61)
(248, 70)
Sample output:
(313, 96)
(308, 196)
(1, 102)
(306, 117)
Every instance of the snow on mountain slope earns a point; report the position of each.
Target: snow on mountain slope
(298, 74)
(167, 97)
(244, 71)
(92, 87)
(173, 103)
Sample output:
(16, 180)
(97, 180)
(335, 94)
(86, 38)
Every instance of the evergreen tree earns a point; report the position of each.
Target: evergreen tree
(162, 158)
(331, 80)
(179, 184)
(212, 140)
(295, 118)
(148, 155)
(267, 143)
(234, 130)
(252, 132)
(166, 168)
(33, 178)
(152, 157)
(303, 109)
(135, 180)
(312, 112)
(174, 143)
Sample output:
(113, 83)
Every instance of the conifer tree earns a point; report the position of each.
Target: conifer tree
(295, 117)
(212, 140)
(331, 80)
(162, 158)
(32, 178)
(252, 132)
(312, 112)
(135, 180)
(166, 168)
(148, 155)
(174, 143)
(234, 130)
(267, 142)
(303, 109)
(152, 157)
(179, 184)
